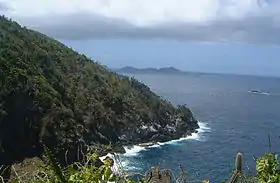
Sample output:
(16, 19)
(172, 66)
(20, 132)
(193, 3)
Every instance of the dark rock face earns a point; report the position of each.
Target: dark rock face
(178, 126)
(155, 132)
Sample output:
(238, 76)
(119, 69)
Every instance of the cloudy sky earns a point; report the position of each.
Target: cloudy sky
(232, 36)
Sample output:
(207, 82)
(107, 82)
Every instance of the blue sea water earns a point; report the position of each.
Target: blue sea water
(232, 118)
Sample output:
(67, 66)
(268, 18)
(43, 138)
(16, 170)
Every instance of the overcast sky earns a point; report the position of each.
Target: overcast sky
(236, 36)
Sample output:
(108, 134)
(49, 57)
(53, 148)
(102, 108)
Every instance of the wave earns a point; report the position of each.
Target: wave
(260, 92)
(134, 150)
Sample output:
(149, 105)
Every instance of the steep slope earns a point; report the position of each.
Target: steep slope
(51, 94)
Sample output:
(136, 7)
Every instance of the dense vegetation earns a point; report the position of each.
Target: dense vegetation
(52, 95)
(267, 171)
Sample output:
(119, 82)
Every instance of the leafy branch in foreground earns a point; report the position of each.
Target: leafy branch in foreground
(55, 165)
(268, 169)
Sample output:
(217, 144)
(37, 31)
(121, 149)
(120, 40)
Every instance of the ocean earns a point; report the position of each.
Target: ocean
(236, 114)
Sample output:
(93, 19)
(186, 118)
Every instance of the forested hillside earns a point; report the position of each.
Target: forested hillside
(51, 94)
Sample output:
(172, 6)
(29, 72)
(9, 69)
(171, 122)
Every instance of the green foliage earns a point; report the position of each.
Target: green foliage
(268, 169)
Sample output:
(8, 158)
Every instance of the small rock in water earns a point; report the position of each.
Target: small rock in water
(146, 144)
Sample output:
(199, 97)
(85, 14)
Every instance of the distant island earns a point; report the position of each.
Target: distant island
(149, 70)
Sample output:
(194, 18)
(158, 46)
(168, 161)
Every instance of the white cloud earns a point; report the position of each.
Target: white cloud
(188, 20)
(4, 7)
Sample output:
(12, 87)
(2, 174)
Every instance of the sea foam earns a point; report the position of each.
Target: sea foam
(134, 150)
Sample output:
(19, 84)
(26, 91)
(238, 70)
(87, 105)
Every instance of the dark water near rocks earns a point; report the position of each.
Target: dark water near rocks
(233, 119)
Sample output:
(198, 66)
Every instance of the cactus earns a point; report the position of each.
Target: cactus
(237, 175)
(238, 162)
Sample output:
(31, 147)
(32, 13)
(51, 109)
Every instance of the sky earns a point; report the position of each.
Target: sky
(223, 36)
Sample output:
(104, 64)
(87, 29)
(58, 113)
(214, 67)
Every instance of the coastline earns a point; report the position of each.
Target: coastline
(133, 150)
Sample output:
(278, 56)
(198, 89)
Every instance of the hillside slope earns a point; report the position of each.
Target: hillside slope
(51, 94)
